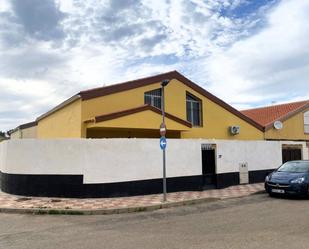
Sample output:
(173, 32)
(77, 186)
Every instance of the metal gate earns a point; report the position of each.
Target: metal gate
(209, 165)
(290, 154)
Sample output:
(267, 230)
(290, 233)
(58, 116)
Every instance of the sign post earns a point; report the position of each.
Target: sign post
(163, 139)
(163, 147)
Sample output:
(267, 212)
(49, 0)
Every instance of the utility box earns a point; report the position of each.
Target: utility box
(243, 173)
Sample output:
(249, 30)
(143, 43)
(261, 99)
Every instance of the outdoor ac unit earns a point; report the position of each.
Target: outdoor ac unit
(234, 130)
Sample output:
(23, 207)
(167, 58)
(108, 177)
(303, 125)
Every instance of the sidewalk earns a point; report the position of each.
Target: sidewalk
(41, 205)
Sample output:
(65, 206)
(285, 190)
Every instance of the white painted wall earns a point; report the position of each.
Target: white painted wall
(100, 160)
(258, 155)
(118, 160)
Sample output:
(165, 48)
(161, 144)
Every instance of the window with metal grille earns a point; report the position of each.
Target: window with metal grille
(306, 122)
(194, 110)
(153, 98)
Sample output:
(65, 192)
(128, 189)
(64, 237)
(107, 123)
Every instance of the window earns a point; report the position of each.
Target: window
(153, 98)
(194, 108)
(306, 122)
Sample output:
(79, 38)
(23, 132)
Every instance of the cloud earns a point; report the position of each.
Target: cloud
(40, 19)
(269, 65)
(29, 62)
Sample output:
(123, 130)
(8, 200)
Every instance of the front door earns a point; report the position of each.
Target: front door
(209, 165)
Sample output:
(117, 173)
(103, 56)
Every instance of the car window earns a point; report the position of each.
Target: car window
(296, 167)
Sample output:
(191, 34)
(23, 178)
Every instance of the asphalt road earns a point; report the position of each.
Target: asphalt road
(257, 221)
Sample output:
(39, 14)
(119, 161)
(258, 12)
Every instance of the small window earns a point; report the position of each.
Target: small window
(194, 110)
(306, 122)
(153, 98)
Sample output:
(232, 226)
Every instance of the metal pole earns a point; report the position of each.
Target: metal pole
(164, 177)
(163, 106)
(164, 167)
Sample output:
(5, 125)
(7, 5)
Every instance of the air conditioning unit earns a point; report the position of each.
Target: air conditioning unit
(234, 130)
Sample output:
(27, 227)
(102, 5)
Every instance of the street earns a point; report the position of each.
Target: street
(256, 221)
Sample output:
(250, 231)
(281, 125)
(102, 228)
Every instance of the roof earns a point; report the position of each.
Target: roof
(107, 90)
(266, 116)
(119, 114)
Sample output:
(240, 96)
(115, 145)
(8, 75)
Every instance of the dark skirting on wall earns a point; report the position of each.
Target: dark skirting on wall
(257, 176)
(73, 186)
(229, 179)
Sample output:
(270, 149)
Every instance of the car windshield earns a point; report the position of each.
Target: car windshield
(295, 167)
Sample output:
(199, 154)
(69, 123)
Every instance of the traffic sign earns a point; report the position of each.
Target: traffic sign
(162, 130)
(162, 143)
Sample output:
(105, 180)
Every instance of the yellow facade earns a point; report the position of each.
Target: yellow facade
(293, 129)
(64, 123)
(216, 120)
(70, 121)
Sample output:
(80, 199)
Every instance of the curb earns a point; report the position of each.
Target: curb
(106, 211)
(40, 211)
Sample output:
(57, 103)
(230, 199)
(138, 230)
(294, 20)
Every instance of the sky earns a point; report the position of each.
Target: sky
(249, 53)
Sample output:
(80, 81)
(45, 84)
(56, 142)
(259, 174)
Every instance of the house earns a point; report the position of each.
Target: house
(28, 130)
(133, 110)
(284, 122)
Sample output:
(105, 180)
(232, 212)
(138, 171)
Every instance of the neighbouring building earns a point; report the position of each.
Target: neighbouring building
(133, 110)
(284, 122)
(28, 130)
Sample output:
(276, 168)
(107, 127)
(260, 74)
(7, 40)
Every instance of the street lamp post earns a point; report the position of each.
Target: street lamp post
(164, 83)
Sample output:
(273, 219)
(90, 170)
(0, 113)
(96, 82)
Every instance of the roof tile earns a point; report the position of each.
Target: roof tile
(266, 116)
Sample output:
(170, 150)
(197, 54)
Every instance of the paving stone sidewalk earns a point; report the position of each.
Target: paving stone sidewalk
(15, 202)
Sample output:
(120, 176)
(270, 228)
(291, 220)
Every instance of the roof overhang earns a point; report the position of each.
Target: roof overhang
(133, 118)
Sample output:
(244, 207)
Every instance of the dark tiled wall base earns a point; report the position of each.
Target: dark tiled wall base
(72, 185)
(259, 175)
(229, 179)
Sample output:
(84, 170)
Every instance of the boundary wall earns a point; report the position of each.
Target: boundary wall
(121, 167)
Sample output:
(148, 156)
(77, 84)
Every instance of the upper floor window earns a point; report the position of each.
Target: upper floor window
(194, 110)
(306, 122)
(153, 98)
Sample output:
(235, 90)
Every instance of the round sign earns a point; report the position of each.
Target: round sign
(162, 130)
(163, 143)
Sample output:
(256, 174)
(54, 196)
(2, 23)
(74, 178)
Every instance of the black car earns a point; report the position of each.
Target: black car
(291, 178)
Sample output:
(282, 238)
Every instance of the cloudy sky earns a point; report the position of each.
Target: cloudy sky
(247, 52)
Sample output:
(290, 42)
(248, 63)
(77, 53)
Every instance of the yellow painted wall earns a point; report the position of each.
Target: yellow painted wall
(65, 122)
(293, 129)
(216, 120)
